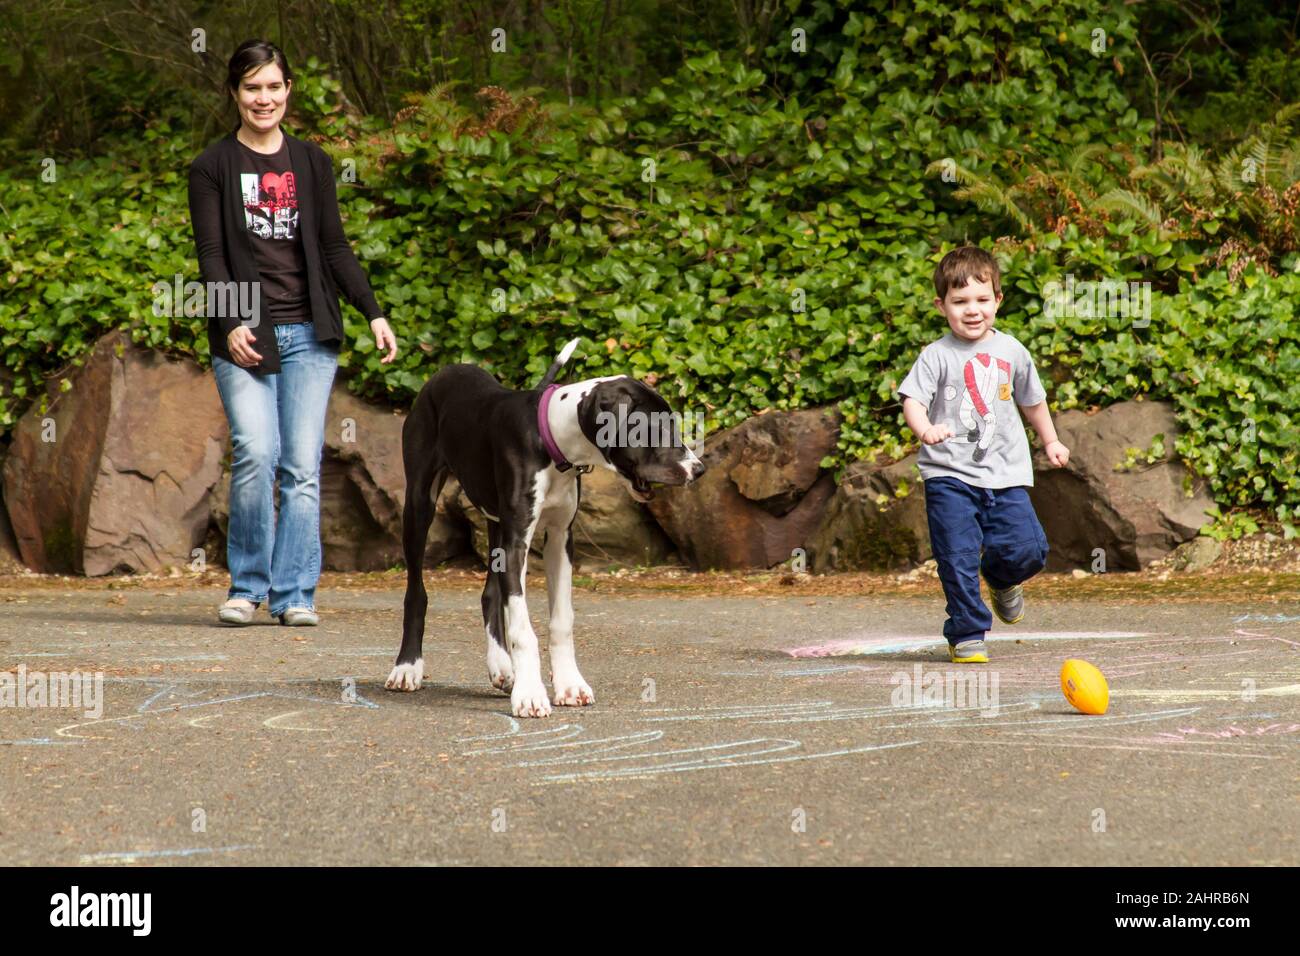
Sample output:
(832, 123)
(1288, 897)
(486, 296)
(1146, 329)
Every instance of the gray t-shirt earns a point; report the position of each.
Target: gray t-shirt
(969, 386)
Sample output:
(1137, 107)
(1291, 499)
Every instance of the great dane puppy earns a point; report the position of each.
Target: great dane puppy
(518, 455)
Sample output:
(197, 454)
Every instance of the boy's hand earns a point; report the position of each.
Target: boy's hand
(935, 434)
(1057, 453)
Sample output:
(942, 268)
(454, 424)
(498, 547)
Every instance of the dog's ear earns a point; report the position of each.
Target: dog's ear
(607, 396)
(604, 399)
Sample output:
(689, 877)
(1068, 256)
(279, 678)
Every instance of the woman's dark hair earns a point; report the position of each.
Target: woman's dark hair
(250, 56)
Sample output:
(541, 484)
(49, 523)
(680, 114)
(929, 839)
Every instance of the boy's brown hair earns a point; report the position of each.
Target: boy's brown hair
(964, 264)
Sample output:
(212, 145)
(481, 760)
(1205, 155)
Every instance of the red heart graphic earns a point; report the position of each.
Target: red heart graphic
(273, 184)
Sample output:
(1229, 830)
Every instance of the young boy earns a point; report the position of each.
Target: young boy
(974, 457)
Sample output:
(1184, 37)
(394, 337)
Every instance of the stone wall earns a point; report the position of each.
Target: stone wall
(127, 470)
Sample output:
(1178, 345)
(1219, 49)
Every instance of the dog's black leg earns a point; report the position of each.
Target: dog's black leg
(500, 672)
(425, 475)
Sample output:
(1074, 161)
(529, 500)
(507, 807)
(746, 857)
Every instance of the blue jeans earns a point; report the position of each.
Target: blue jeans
(974, 530)
(277, 427)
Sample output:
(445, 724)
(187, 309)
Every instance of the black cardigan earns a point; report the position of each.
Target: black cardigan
(225, 249)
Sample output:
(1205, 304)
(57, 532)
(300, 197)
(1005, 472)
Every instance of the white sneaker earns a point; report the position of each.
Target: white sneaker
(237, 611)
(299, 617)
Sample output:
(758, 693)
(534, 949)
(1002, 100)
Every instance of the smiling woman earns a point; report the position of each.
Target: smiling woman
(269, 237)
(260, 80)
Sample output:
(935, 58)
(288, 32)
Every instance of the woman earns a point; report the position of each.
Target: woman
(266, 223)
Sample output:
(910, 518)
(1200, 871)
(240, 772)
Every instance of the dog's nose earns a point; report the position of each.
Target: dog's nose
(697, 468)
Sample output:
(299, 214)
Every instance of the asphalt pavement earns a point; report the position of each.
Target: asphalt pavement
(726, 730)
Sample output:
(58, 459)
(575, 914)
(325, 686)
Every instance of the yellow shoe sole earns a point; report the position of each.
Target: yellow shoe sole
(1008, 620)
(968, 658)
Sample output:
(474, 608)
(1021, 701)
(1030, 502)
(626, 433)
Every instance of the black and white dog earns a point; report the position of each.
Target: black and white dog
(518, 456)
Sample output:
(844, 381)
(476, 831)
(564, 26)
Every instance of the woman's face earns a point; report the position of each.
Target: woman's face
(262, 96)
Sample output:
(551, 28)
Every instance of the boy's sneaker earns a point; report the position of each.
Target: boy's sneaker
(969, 652)
(1009, 604)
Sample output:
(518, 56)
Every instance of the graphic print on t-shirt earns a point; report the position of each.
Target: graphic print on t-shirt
(986, 381)
(271, 204)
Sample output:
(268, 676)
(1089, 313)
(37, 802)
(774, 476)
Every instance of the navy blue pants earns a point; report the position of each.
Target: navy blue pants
(974, 530)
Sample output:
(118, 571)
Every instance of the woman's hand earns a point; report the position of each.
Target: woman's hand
(384, 339)
(240, 345)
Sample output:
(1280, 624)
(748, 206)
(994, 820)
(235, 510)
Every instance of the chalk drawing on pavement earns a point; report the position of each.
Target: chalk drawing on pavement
(131, 856)
(869, 645)
(153, 707)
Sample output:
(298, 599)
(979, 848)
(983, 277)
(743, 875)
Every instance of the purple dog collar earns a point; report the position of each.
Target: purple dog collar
(544, 427)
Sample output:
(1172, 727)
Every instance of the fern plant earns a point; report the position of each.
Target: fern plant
(1242, 206)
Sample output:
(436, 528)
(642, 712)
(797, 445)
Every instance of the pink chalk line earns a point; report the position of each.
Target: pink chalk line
(912, 642)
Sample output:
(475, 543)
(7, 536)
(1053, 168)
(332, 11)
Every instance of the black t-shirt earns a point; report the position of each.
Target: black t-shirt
(270, 196)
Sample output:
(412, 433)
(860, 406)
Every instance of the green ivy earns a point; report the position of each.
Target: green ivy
(743, 248)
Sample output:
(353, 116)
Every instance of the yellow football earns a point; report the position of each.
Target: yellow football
(1084, 687)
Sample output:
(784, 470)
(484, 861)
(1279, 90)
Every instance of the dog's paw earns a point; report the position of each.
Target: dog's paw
(406, 676)
(529, 700)
(572, 691)
(500, 671)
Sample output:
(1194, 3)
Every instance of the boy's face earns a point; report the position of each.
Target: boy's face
(970, 310)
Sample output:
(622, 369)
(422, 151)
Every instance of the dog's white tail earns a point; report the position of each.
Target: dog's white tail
(565, 354)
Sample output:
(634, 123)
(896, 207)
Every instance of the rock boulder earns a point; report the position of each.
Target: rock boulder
(1134, 515)
(762, 496)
